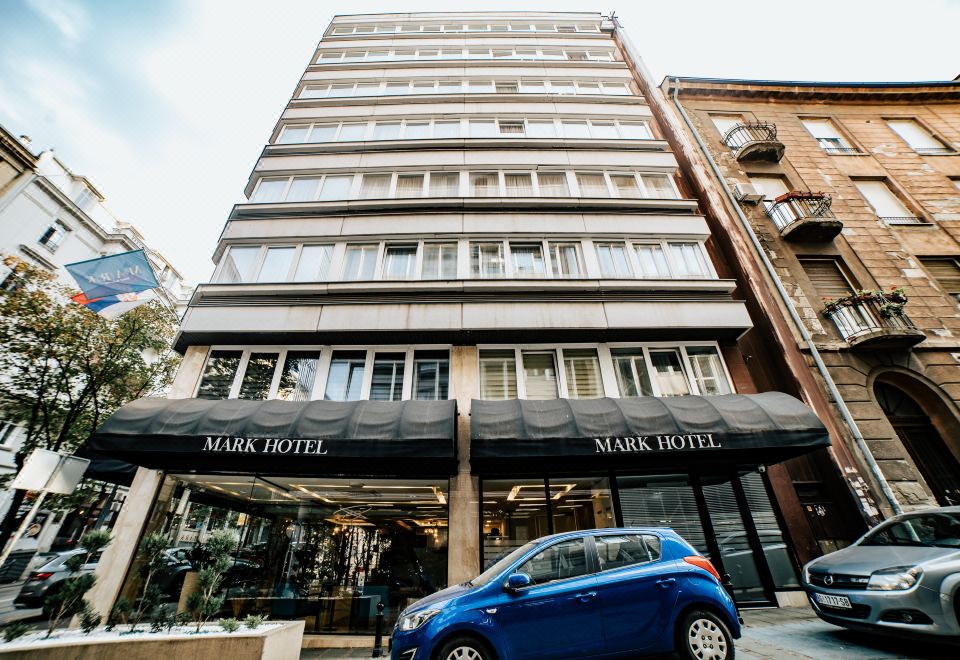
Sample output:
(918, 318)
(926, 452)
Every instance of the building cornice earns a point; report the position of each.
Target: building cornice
(24, 158)
(926, 91)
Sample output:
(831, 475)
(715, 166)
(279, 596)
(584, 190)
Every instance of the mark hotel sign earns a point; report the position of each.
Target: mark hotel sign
(656, 443)
(283, 446)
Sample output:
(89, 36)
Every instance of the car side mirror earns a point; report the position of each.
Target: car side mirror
(517, 581)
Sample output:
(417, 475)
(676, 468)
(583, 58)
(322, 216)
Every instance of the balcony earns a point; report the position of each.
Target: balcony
(755, 142)
(874, 321)
(805, 217)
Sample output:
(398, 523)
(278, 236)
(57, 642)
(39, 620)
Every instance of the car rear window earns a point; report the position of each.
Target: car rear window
(627, 550)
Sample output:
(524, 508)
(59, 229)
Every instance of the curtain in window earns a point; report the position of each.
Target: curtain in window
(409, 185)
(387, 379)
(707, 370)
(314, 264)
(540, 375)
(487, 259)
(400, 262)
(360, 262)
(484, 184)
(375, 186)
(653, 262)
(658, 186)
(582, 368)
(444, 184)
(439, 261)
(518, 185)
(613, 259)
(592, 185)
(668, 370)
(626, 185)
(632, 376)
(553, 184)
(498, 375)
(688, 259)
(566, 259)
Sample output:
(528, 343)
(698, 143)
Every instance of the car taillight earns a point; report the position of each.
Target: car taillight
(704, 563)
(39, 577)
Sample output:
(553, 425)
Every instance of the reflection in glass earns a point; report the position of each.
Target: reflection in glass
(258, 376)
(565, 259)
(498, 374)
(345, 378)
(298, 375)
(439, 261)
(276, 264)
(238, 265)
(487, 259)
(708, 370)
(613, 259)
(662, 501)
(314, 264)
(400, 262)
(431, 375)
(580, 503)
(632, 376)
(514, 512)
(218, 375)
(527, 259)
(738, 559)
(360, 262)
(387, 381)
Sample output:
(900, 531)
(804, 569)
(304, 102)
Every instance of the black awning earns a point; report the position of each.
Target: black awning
(642, 431)
(282, 437)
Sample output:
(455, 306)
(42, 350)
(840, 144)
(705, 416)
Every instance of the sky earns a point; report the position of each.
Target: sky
(165, 105)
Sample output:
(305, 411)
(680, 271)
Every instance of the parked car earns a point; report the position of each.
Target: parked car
(46, 580)
(902, 577)
(179, 562)
(610, 593)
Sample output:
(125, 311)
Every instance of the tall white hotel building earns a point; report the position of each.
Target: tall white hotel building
(467, 303)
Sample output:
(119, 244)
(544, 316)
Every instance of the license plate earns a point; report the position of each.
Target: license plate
(841, 602)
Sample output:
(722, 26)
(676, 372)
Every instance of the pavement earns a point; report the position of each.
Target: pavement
(789, 633)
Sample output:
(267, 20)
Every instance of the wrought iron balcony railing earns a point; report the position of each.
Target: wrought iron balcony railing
(873, 320)
(805, 216)
(755, 141)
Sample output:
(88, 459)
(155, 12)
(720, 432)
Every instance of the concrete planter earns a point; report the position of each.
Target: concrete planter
(271, 642)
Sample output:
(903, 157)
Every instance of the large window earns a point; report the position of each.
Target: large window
(360, 262)
(322, 90)
(885, 203)
(345, 377)
(498, 374)
(298, 376)
(540, 374)
(828, 136)
(258, 376)
(218, 376)
(53, 236)
(918, 137)
(431, 375)
(387, 380)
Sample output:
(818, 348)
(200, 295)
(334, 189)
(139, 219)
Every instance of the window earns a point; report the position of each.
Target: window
(444, 184)
(345, 378)
(582, 369)
(400, 262)
(218, 375)
(498, 374)
(557, 562)
(484, 184)
(483, 128)
(631, 368)
(828, 137)
(668, 372)
(592, 185)
(634, 130)
(270, 190)
(946, 272)
(828, 277)
(625, 185)
(518, 185)
(314, 264)
(294, 134)
(507, 88)
(258, 376)
(613, 259)
(360, 262)
(603, 130)
(688, 260)
(335, 187)
(386, 130)
(375, 186)
(446, 129)
(541, 128)
(533, 87)
(885, 203)
(298, 375)
(416, 130)
(562, 87)
(565, 259)
(724, 123)
(486, 260)
(387, 378)
(439, 261)
(276, 264)
(553, 184)
(511, 127)
(323, 132)
(431, 375)
(303, 189)
(409, 185)
(395, 88)
(653, 261)
(918, 137)
(575, 129)
(352, 132)
(238, 265)
(627, 550)
(8, 431)
(708, 370)
(658, 186)
(540, 375)
(527, 259)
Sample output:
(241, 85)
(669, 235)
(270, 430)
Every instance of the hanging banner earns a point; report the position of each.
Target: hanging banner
(112, 307)
(127, 272)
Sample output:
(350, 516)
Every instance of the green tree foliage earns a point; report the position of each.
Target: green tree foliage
(153, 558)
(15, 630)
(204, 603)
(69, 600)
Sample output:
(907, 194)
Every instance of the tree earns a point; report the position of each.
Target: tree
(64, 368)
(69, 600)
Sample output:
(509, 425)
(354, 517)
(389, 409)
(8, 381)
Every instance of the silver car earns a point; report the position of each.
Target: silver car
(901, 577)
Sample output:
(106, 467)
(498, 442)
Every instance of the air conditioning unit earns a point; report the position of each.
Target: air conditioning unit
(747, 193)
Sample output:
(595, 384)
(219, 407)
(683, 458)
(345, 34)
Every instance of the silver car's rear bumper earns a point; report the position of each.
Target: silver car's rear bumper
(870, 608)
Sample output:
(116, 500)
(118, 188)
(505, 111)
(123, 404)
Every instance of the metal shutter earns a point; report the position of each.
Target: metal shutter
(827, 277)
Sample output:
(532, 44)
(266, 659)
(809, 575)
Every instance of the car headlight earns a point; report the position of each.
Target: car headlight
(897, 578)
(417, 619)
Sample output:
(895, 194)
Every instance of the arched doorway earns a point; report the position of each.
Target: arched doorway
(923, 442)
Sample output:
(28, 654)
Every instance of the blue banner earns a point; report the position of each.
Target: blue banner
(126, 272)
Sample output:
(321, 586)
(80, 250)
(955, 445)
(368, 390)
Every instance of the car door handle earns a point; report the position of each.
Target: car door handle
(666, 583)
(586, 597)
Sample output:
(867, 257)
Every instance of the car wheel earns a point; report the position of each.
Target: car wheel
(704, 636)
(464, 648)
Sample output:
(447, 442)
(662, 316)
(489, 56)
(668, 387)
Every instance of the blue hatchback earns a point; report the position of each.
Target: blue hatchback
(588, 594)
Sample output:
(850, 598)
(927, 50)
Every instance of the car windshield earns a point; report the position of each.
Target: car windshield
(499, 565)
(940, 530)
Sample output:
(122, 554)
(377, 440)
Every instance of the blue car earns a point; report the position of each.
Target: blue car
(589, 594)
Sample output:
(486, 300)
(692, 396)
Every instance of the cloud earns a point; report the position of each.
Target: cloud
(69, 18)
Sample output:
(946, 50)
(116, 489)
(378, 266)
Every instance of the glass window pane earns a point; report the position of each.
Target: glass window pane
(658, 186)
(527, 259)
(238, 265)
(360, 262)
(540, 375)
(775, 549)
(632, 376)
(482, 128)
(341, 89)
(486, 260)
(323, 132)
(375, 186)
(708, 370)
(613, 259)
(424, 87)
(276, 264)
(592, 185)
(345, 379)
(541, 128)
(514, 512)
(653, 262)
(625, 185)
(218, 375)
(450, 87)
(394, 88)
(298, 375)
(562, 87)
(582, 368)
(439, 261)
(386, 130)
(409, 185)
(303, 189)
(352, 132)
(588, 87)
(634, 130)
(484, 184)
(416, 130)
(518, 185)
(688, 260)
(575, 129)
(400, 262)
(481, 86)
(444, 184)
(580, 503)
(368, 89)
(446, 129)
(626, 550)
(557, 562)
(336, 187)
(507, 88)
(668, 370)
(498, 375)
(387, 378)
(269, 191)
(294, 134)
(511, 127)
(616, 89)
(314, 264)
(314, 91)
(533, 87)
(258, 376)
(553, 184)
(604, 130)
(663, 501)
(431, 375)
(565, 259)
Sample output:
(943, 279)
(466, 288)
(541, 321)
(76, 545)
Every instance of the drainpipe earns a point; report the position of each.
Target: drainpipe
(848, 419)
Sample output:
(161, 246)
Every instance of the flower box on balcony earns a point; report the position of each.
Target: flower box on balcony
(799, 194)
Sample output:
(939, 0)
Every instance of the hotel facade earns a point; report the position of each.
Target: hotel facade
(469, 301)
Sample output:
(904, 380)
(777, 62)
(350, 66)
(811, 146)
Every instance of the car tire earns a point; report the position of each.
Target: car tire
(702, 635)
(464, 648)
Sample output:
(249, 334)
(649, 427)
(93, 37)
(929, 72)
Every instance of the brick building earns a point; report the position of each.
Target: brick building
(853, 192)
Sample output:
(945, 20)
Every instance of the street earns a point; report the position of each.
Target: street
(8, 613)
